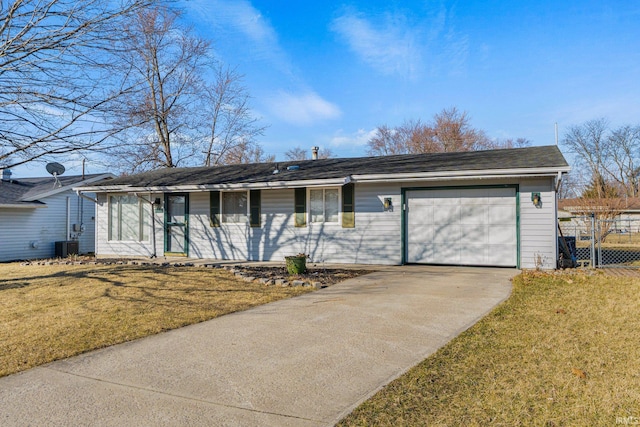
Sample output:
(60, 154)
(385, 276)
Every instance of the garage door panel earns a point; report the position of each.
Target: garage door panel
(447, 233)
(474, 214)
(502, 255)
(445, 254)
(462, 226)
(422, 252)
(444, 198)
(476, 254)
(500, 235)
(502, 215)
(474, 233)
(445, 213)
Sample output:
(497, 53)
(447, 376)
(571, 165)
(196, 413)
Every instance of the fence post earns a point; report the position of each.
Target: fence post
(593, 241)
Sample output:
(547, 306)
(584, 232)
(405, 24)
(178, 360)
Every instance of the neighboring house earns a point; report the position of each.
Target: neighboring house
(622, 214)
(624, 208)
(493, 208)
(37, 212)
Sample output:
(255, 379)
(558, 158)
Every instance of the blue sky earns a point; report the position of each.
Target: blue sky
(329, 73)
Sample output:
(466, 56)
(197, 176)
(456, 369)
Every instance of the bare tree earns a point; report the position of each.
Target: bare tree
(610, 155)
(229, 118)
(188, 108)
(56, 75)
(299, 153)
(246, 153)
(450, 130)
(166, 64)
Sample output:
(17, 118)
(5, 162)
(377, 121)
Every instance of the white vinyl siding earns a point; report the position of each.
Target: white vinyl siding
(278, 237)
(538, 225)
(45, 226)
(375, 239)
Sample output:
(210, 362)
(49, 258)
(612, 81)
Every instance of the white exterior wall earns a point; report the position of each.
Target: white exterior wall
(369, 242)
(114, 248)
(46, 225)
(538, 226)
(376, 237)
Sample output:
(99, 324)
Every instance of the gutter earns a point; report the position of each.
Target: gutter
(369, 178)
(84, 196)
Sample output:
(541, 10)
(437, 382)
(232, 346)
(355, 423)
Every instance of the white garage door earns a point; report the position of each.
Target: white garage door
(462, 226)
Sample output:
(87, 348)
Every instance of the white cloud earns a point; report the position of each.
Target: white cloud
(302, 109)
(358, 138)
(391, 47)
(241, 24)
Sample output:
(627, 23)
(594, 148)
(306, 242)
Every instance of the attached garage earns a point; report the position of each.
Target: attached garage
(462, 226)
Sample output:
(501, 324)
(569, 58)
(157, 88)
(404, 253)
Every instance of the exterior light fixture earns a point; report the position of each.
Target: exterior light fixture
(388, 204)
(537, 201)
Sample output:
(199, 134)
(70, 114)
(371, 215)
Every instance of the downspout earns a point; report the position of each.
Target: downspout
(68, 217)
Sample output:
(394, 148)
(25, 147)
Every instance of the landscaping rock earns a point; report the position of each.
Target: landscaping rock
(298, 283)
(248, 278)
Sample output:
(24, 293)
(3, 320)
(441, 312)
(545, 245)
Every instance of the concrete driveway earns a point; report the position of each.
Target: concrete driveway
(306, 361)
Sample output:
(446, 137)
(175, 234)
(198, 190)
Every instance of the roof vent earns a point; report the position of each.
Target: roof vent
(293, 168)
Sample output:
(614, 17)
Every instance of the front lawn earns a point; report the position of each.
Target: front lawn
(563, 350)
(52, 312)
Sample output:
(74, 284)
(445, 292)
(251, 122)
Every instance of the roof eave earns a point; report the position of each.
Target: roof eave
(63, 188)
(239, 186)
(465, 174)
(414, 176)
(22, 205)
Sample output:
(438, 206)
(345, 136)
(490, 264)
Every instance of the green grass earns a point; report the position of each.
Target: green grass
(563, 350)
(52, 312)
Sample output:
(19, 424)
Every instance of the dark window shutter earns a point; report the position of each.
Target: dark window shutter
(348, 206)
(214, 209)
(300, 210)
(254, 208)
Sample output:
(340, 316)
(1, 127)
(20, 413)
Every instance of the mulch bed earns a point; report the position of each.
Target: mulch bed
(326, 276)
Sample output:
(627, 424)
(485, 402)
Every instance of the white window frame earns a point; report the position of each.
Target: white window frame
(143, 230)
(247, 210)
(324, 207)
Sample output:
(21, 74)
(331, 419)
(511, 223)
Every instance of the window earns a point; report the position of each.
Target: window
(128, 218)
(234, 206)
(324, 205)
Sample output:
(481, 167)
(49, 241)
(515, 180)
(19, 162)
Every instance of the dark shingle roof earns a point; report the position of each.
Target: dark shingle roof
(517, 158)
(27, 190)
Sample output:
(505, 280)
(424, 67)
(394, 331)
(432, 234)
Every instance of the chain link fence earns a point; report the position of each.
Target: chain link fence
(584, 241)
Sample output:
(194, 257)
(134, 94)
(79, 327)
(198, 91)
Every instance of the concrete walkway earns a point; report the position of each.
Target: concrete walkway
(306, 361)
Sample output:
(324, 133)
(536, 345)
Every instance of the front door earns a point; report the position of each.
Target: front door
(176, 224)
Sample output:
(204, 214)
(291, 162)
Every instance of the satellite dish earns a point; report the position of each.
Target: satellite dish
(55, 169)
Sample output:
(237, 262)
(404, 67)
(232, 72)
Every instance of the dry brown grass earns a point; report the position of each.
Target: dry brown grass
(52, 312)
(562, 351)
